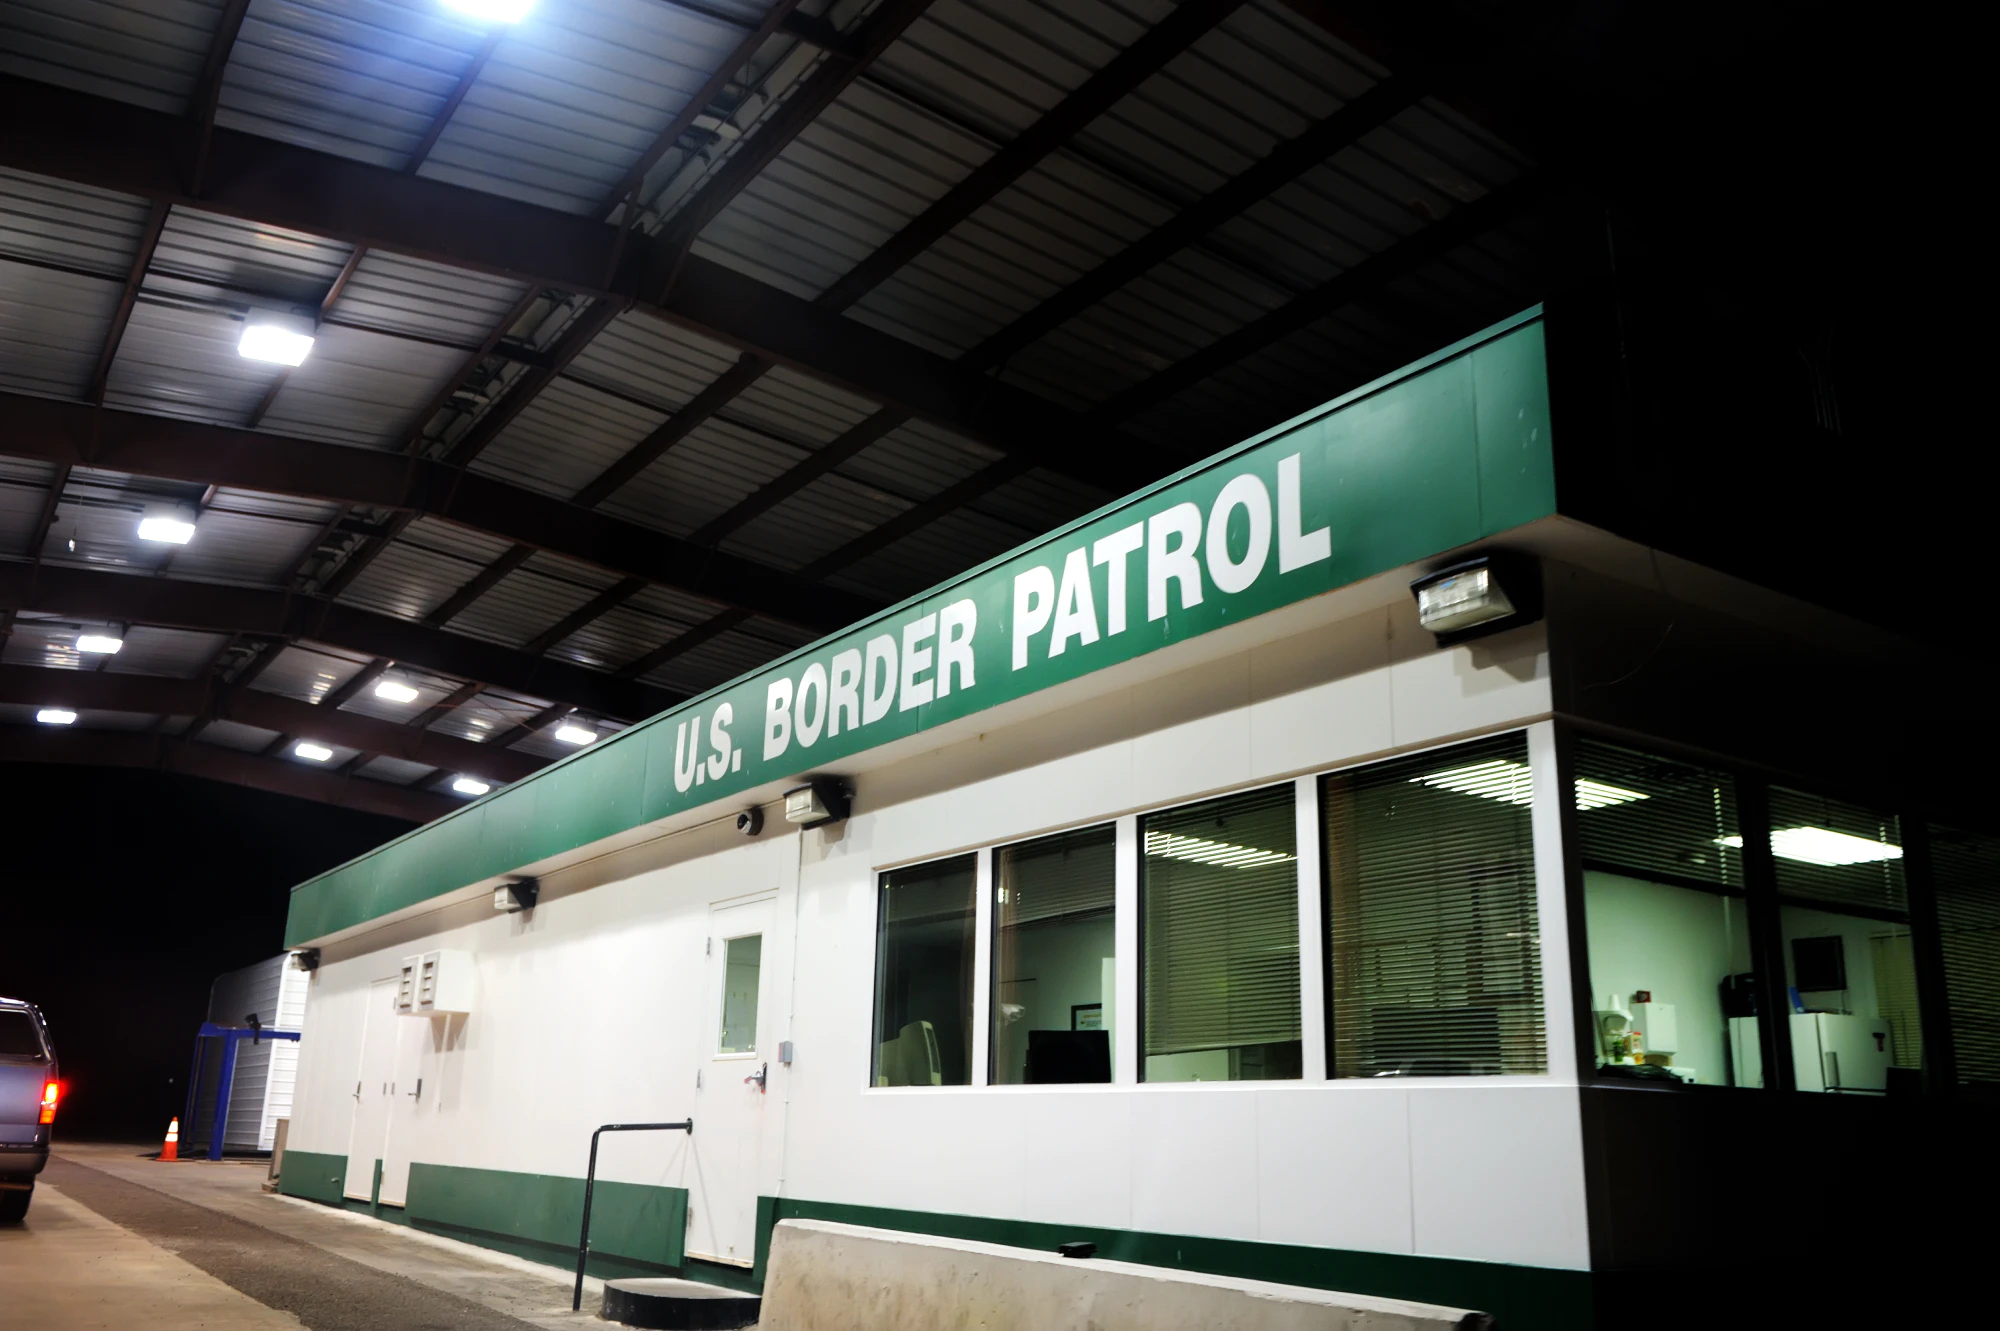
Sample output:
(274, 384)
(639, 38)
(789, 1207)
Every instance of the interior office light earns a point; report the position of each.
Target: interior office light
(276, 336)
(311, 752)
(466, 785)
(1509, 782)
(575, 734)
(493, 11)
(56, 716)
(1195, 850)
(395, 692)
(1822, 846)
(168, 526)
(99, 644)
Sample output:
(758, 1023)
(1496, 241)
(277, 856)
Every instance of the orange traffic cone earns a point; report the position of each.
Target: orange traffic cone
(172, 1150)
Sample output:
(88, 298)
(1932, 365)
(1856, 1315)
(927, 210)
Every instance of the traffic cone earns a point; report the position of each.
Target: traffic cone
(172, 1150)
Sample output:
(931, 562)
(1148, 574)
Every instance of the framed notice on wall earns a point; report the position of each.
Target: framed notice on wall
(1086, 1017)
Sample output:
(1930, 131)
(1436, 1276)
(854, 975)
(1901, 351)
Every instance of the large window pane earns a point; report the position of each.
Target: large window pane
(1432, 940)
(1052, 958)
(1850, 970)
(923, 976)
(1671, 982)
(1219, 914)
(1965, 876)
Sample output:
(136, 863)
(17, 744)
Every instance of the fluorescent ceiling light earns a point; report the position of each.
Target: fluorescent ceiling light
(102, 644)
(275, 336)
(1168, 845)
(1510, 782)
(495, 11)
(166, 528)
(466, 785)
(1822, 846)
(395, 692)
(56, 716)
(569, 734)
(312, 752)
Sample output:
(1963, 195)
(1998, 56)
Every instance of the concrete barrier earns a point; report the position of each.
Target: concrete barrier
(830, 1277)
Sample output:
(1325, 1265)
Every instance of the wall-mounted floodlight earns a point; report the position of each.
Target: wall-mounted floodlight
(56, 716)
(276, 336)
(520, 894)
(1478, 596)
(493, 11)
(306, 958)
(167, 525)
(99, 644)
(824, 800)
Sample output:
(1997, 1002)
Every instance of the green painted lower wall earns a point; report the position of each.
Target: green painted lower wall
(1522, 1298)
(316, 1177)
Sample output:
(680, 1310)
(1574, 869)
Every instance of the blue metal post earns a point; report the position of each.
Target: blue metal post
(222, 1087)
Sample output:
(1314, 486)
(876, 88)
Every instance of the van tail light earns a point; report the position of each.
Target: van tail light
(51, 1092)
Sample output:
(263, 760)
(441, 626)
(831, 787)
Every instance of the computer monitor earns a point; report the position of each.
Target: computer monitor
(1057, 1057)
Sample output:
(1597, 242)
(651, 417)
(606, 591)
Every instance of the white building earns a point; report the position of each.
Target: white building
(1197, 900)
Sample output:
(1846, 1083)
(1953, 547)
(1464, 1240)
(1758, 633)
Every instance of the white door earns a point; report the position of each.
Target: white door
(731, 1108)
(407, 1097)
(371, 1090)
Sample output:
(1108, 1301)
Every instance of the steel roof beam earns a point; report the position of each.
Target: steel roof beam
(81, 690)
(214, 608)
(184, 450)
(113, 748)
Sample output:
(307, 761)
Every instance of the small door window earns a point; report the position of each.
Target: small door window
(742, 965)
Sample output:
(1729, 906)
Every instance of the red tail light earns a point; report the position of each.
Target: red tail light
(51, 1092)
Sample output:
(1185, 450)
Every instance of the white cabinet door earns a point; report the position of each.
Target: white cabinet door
(371, 1090)
(733, 1115)
(408, 1098)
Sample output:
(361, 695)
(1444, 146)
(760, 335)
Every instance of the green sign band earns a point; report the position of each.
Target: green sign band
(1446, 452)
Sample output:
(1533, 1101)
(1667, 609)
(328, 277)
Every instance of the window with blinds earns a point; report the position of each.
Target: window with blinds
(1053, 944)
(1433, 946)
(1965, 878)
(1655, 818)
(1219, 924)
(1842, 854)
(923, 975)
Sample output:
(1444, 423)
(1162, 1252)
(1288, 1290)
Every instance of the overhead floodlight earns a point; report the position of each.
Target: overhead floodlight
(276, 336)
(56, 716)
(168, 526)
(98, 644)
(466, 785)
(311, 752)
(394, 692)
(1822, 846)
(572, 734)
(493, 11)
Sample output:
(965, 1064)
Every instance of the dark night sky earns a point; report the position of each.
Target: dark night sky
(130, 892)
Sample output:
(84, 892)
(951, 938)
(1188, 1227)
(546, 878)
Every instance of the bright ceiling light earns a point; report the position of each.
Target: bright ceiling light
(167, 526)
(1509, 782)
(570, 734)
(56, 716)
(311, 752)
(1822, 846)
(395, 692)
(100, 644)
(466, 785)
(494, 11)
(1167, 845)
(275, 336)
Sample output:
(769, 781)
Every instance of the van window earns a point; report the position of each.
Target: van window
(18, 1036)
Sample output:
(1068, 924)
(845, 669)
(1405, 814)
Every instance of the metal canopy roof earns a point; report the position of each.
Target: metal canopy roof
(655, 337)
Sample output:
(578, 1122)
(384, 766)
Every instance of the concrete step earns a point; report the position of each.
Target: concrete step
(677, 1305)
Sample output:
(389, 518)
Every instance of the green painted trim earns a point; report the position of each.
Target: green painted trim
(1520, 1297)
(314, 1176)
(1446, 452)
(633, 1221)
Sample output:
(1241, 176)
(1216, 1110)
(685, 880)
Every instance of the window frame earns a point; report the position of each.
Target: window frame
(989, 885)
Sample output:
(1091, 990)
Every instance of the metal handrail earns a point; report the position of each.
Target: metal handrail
(590, 1186)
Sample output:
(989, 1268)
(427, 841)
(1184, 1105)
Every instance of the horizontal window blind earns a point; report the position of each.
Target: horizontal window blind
(1831, 851)
(1433, 943)
(1069, 874)
(1220, 913)
(1655, 818)
(1965, 875)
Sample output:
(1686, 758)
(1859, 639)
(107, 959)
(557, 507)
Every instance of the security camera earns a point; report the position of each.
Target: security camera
(750, 822)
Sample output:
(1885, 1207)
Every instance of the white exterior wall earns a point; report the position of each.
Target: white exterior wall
(592, 1008)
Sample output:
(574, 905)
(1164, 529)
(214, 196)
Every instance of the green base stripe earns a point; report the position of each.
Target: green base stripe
(1447, 452)
(1520, 1297)
(316, 1177)
(638, 1222)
